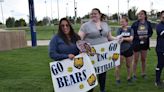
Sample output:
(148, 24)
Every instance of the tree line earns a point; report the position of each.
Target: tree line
(132, 15)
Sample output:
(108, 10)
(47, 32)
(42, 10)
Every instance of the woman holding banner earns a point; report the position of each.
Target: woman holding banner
(160, 50)
(63, 45)
(95, 31)
(125, 49)
(142, 32)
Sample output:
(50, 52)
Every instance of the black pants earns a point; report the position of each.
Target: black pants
(101, 80)
(160, 66)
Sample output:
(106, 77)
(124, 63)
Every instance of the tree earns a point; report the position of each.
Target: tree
(39, 23)
(46, 20)
(20, 23)
(10, 22)
(55, 21)
(78, 20)
(115, 16)
(132, 13)
(86, 16)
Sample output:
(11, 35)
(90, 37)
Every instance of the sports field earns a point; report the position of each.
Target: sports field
(27, 70)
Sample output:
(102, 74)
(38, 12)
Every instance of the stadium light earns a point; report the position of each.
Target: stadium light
(2, 11)
(118, 11)
(58, 8)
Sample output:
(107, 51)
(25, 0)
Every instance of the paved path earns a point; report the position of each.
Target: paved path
(46, 42)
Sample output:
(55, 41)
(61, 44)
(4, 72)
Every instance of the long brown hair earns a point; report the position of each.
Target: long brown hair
(103, 16)
(74, 36)
(145, 13)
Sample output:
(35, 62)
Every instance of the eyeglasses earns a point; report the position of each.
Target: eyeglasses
(62, 25)
(100, 30)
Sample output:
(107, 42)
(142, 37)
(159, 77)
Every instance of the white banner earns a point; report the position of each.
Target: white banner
(77, 75)
(107, 57)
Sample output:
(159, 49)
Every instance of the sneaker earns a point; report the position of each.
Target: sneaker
(144, 76)
(118, 82)
(102, 91)
(134, 77)
(129, 81)
(159, 84)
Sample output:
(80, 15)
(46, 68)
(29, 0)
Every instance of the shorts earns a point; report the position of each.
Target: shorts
(128, 52)
(140, 47)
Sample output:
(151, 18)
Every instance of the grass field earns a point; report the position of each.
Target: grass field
(27, 70)
(46, 32)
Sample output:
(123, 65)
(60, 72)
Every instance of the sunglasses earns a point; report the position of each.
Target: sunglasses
(62, 25)
(100, 32)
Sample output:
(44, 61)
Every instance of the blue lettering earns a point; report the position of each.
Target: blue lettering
(101, 57)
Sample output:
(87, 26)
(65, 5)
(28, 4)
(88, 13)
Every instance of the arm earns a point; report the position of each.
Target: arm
(135, 35)
(53, 54)
(82, 31)
(162, 33)
(110, 37)
(129, 39)
(81, 34)
(159, 31)
(150, 31)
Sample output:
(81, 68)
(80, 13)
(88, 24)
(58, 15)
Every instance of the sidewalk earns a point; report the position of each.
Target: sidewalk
(46, 42)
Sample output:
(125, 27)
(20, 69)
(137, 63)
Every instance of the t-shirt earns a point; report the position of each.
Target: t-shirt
(93, 35)
(142, 29)
(125, 45)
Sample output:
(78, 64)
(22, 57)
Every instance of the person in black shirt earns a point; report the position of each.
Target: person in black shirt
(160, 49)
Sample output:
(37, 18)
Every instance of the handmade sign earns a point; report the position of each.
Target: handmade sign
(77, 75)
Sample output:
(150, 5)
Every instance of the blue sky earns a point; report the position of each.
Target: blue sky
(19, 8)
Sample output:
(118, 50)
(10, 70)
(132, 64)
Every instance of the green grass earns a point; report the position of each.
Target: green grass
(46, 32)
(27, 70)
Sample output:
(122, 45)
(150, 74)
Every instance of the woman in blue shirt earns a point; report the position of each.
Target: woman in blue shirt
(63, 44)
(160, 49)
(142, 32)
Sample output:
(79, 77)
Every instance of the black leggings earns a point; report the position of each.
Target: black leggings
(101, 80)
(160, 66)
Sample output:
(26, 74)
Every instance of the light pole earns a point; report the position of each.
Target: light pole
(58, 9)
(128, 5)
(12, 13)
(51, 10)
(67, 9)
(2, 11)
(118, 11)
(108, 10)
(75, 10)
(46, 6)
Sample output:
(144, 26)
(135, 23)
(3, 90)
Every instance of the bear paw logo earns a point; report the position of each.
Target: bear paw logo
(115, 56)
(92, 52)
(91, 80)
(142, 27)
(78, 62)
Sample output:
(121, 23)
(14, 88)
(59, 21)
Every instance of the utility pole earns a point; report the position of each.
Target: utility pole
(128, 5)
(67, 9)
(51, 13)
(118, 11)
(58, 9)
(2, 11)
(46, 7)
(75, 10)
(108, 10)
